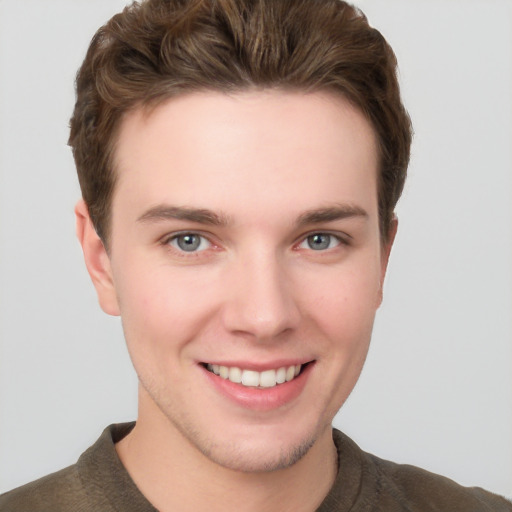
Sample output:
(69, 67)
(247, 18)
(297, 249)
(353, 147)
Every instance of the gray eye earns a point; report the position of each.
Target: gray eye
(188, 242)
(319, 241)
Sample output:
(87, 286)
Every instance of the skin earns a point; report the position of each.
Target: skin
(258, 290)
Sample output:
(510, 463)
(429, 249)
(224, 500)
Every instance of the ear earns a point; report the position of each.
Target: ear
(97, 260)
(385, 252)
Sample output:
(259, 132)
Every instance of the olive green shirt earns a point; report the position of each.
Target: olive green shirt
(99, 482)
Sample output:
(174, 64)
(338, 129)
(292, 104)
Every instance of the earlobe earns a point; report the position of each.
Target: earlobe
(96, 259)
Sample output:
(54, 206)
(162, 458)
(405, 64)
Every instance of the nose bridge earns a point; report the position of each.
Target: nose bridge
(261, 302)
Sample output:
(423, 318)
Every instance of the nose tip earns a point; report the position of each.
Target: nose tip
(261, 303)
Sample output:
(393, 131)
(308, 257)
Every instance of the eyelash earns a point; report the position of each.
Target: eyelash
(168, 242)
(332, 237)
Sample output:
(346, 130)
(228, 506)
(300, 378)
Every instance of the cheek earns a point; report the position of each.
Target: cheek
(344, 301)
(165, 307)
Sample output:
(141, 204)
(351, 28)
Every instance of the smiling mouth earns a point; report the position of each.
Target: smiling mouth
(254, 379)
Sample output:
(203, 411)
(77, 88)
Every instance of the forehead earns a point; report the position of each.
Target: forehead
(216, 150)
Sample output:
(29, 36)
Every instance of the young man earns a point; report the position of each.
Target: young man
(240, 163)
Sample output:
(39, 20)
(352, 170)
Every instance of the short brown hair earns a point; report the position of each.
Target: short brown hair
(157, 49)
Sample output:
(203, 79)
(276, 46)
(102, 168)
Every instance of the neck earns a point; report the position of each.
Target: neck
(174, 475)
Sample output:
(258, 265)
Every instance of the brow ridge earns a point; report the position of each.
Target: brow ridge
(168, 212)
(205, 216)
(330, 214)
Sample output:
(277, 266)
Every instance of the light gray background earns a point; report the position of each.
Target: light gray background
(437, 387)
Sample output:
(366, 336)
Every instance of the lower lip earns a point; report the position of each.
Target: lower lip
(260, 399)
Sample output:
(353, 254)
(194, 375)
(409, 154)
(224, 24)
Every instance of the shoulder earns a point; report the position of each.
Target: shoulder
(428, 491)
(87, 485)
(60, 491)
(391, 486)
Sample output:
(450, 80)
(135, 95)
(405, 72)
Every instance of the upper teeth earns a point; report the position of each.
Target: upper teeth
(251, 378)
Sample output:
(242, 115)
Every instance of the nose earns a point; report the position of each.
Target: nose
(260, 301)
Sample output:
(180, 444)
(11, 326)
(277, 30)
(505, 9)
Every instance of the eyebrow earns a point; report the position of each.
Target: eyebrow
(199, 215)
(330, 214)
(205, 216)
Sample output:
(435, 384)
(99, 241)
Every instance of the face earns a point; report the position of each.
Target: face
(245, 261)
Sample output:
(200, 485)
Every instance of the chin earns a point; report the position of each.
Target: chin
(253, 448)
(259, 456)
